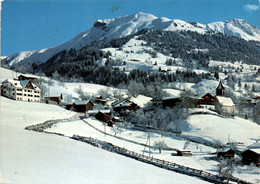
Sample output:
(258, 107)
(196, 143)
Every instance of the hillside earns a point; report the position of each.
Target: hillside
(61, 160)
(203, 126)
(105, 30)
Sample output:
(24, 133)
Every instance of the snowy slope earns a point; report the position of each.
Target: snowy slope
(105, 30)
(210, 128)
(32, 157)
(236, 27)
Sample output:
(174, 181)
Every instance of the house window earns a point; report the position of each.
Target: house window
(30, 91)
(25, 90)
(20, 94)
(15, 84)
(24, 94)
(19, 89)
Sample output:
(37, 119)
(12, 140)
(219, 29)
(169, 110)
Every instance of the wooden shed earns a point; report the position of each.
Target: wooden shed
(81, 106)
(226, 153)
(251, 155)
(102, 117)
(183, 153)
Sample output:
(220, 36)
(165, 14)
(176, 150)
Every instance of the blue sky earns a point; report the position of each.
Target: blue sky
(37, 24)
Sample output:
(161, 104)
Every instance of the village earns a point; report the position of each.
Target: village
(114, 113)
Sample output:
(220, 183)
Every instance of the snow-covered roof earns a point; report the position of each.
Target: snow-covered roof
(24, 83)
(171, 97)
(119, 101)
(224, 150)
(83, 102)
(105, 111)
(225, 101)
(256, 150)
(123, 105)
(53, 94)
(254, 145)
(29, 76)
(20, 84)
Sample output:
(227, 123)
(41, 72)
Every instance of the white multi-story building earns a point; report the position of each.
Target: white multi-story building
(23, 90)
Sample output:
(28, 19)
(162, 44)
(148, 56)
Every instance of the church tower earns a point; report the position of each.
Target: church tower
(220, 90)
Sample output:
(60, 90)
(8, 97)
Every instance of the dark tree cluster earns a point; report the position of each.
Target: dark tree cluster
(190, 45)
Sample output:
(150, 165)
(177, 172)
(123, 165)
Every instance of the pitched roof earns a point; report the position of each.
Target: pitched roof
(256, 150)
(24, 83)
(208, 94)
(20, 84)
(220, 85)
(29, 76)
(120, 101)
(225, 101)
(254, 145)
(83, 102)
(105, 111)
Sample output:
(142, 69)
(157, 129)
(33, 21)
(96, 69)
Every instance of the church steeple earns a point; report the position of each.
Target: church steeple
(220, 90)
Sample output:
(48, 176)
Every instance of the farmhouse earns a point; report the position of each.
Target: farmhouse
(207, 99)
(23, 90)
(224, 104)
(100, 100)
(124, 105)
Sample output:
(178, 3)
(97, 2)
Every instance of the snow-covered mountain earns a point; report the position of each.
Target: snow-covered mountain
(105, 30)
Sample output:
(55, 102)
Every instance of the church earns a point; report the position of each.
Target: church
(222, 103)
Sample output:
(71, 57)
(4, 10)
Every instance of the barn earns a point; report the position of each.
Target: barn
(102, 117)
(226, 153)
(80, 106)
(251, 155)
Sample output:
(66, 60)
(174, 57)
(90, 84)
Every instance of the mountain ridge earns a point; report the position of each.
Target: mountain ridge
(108, 29)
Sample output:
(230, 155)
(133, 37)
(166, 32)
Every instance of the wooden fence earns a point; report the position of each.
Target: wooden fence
(158, 162)
(140, 157)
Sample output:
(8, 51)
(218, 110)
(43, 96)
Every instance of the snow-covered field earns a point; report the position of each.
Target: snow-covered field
(200, 129)
(32, 157)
